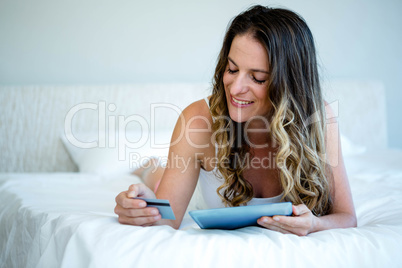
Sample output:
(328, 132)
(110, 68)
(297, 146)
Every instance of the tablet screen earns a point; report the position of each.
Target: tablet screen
(237, 217)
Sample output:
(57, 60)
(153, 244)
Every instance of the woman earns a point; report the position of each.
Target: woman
(261, 137)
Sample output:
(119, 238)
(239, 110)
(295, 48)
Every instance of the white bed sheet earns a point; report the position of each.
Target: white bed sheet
(67, 220)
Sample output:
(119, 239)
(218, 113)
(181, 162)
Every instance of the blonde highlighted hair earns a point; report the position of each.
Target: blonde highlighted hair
(297, 118)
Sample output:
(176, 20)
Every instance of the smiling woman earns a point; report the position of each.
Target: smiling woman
(246, 79)
(287, 92)
(266, 101)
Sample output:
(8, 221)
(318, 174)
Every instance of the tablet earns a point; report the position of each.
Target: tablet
(238, 217)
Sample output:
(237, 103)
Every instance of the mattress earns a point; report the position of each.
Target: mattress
(67, 220)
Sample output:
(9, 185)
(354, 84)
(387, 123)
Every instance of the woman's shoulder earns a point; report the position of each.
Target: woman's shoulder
(330, 115)
(194, 127)
(197, 114)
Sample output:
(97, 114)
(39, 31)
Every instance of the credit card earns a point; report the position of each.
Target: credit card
(162, 205)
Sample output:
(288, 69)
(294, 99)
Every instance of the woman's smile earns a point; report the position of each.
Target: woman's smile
(240, 103)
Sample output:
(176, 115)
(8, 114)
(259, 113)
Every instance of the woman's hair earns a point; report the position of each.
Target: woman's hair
(297, 118)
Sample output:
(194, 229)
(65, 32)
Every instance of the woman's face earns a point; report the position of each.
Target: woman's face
(246, 79)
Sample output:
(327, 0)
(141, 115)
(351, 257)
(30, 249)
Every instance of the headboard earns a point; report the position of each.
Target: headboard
(32, 118)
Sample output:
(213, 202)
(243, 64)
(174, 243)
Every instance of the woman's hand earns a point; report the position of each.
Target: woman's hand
(134, 211)
(301, 223)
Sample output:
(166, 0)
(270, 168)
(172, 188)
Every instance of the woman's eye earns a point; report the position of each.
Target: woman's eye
(231, 71)
(258, 81)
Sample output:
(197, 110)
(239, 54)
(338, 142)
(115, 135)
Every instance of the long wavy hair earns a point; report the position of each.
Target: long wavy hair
(297, 118)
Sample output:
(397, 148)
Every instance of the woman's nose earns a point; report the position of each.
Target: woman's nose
(239, 85)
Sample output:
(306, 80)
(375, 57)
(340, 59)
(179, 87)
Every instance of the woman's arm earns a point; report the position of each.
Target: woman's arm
(181, 173)
(343, 213)
(183, 167)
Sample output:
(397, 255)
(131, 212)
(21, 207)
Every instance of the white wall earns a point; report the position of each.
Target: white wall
(125, 41)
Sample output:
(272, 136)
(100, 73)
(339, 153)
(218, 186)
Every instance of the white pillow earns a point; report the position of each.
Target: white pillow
(118, 155)
(349, 148)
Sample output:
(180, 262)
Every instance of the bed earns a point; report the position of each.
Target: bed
(57, 200)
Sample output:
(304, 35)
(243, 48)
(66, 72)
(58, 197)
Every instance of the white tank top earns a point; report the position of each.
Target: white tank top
(208, 183)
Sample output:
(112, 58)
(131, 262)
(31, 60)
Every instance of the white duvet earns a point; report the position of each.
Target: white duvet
(67, 220)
